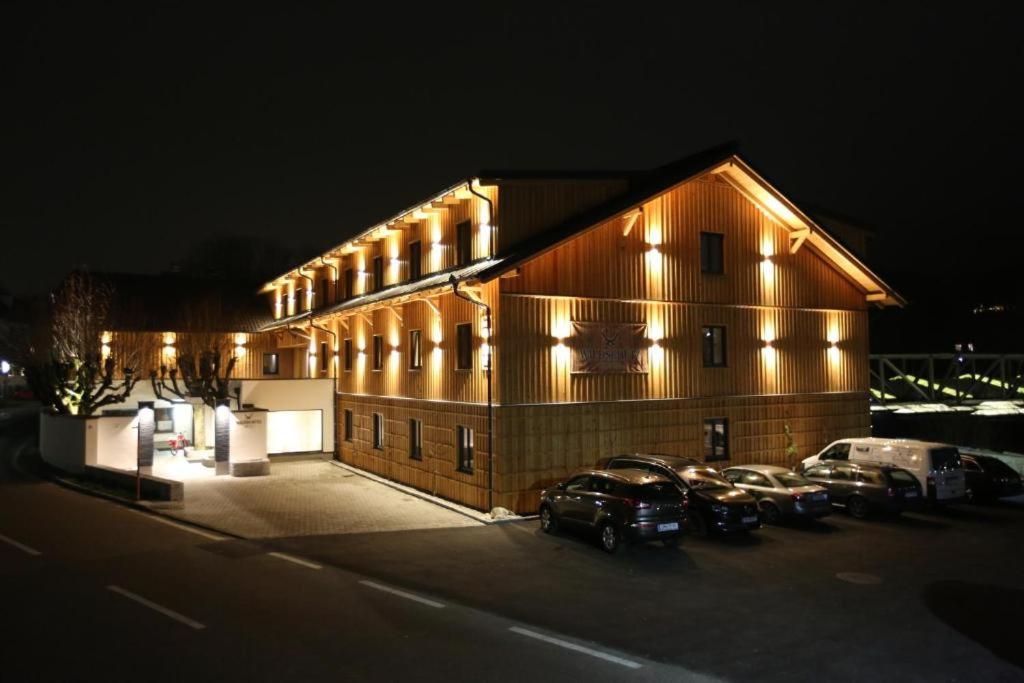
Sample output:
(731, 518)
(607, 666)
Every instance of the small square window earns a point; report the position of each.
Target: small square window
(415, 350)
(464, 346)
(416, 439)
(464, 446)
(378, 431)
(378, 352)
(348, 425)
(716, 439)
(713, 343)
(271, 364)
(711, 255)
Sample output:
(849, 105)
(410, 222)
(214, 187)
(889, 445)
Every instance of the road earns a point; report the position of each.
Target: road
(930, 596)
(92, 590)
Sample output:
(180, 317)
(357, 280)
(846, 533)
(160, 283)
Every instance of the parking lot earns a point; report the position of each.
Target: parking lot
(934, 595)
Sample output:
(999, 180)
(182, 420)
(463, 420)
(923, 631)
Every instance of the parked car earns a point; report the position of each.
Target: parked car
(780, 492)
(864, 488)
(624, 505)
(936, 465)
(989, 478)
(712, 502)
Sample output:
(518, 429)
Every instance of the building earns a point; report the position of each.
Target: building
(517, 325)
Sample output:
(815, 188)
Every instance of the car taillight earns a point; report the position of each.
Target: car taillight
(637, 504)
(798, 497)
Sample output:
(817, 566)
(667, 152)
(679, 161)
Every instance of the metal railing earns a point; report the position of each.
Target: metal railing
(954, 378)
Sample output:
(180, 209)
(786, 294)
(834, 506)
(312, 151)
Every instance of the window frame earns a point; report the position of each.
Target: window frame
(347, 345)
(378, 431)
(415, 271)
(708, 346)
(378, 273)
(464, 243)
(377, 353)
(350, 283)
(415, 350)
(459, 351)
(325, 287)
(415, 439)
(713, 456)
(709, 242)
(348, 421)
(276, 363)
(461, 449)
(323, 357)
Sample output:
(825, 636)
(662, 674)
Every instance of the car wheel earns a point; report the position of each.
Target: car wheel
(700, 525)
(548, 521)
(609, 537)
(857, 506)
(770, 513)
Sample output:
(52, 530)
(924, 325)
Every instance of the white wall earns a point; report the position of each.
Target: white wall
(116, 443)
(294, 395)
(62, 441)
(248, 435)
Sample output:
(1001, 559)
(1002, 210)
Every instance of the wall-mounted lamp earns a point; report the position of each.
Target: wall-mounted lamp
(767, 343)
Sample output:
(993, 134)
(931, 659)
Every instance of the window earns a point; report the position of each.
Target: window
(818, 472)
(716, 439)
(348, 425)
(348, 355)
(323, 356)
(842, 473)
(271, 364)
(378, 431)
(714, 346)
(840, 451)
(415, 350)
(378, 273)
(416, 439)
(415, 261)
(755, 479)
(711, 261)
(350, 283)
(580, 483)
(464, 346)
(969, 465)
(324, 288)
(464, 444)
(378, 352)
(464, 243)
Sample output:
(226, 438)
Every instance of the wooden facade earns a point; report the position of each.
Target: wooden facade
(793, 305)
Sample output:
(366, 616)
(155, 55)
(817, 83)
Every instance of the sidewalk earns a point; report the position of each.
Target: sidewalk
(305, 496)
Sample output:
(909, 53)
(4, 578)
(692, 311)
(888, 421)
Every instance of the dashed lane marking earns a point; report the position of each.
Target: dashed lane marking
(296, 560)
(157, 608)
(628, 663)
(402, 594)
(20, 546)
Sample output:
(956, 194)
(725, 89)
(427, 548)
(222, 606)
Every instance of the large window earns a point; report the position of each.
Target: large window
(415, 350)
(348, 355)
(464, 346)
(378, 431)
(350, 283)
(378, 352)
(713, 341)
(271, 364)
(378, 273)
(464, 449)
(348, 425)
(716, 439)
(416, 439)
(711, 257)
(323, 357)
(415, 261)
(464, 242)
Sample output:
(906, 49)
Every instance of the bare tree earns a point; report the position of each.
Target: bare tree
(68, 365)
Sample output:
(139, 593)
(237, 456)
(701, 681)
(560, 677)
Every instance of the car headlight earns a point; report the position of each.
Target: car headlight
(720, 509)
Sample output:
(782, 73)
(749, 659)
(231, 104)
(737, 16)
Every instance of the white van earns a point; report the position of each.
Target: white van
(936, 465)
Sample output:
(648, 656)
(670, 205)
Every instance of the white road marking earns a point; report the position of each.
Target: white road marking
(576, 648)
(403, 594)
(296, 560)
(183, 527)
(157, 608)
(20, 546)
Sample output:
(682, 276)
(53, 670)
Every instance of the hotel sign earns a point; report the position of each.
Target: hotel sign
(608, 348)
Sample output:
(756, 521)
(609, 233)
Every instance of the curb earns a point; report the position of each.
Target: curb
(475, 515)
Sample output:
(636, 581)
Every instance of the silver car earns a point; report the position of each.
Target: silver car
(780, 493)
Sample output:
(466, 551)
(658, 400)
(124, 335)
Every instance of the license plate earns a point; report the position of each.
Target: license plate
(910, 494)
(750, 520)
(669, 526)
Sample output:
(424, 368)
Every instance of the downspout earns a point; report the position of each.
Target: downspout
(334, 366)
(490, 219)
(490, 404)
(335, 269)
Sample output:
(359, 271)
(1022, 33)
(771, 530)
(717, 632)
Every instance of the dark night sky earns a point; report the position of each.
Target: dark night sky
(129, 135)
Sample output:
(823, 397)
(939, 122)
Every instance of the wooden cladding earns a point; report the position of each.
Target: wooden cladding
(660, 258)
(147, 351)
(536, 368)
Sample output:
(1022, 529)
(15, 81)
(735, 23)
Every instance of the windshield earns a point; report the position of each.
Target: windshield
(661, 490)
(997, 467)
(945, 459)
(901, 477)
(704, 479)
(791, 480)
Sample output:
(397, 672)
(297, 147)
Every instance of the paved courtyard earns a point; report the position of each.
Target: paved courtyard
(303, 496)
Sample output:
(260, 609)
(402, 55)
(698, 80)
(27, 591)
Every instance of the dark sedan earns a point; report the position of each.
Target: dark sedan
(863, 489)
(625, 505)
(713, 503)
(989, 478)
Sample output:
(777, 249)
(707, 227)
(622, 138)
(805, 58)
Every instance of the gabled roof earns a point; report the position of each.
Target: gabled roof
(724, 161)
